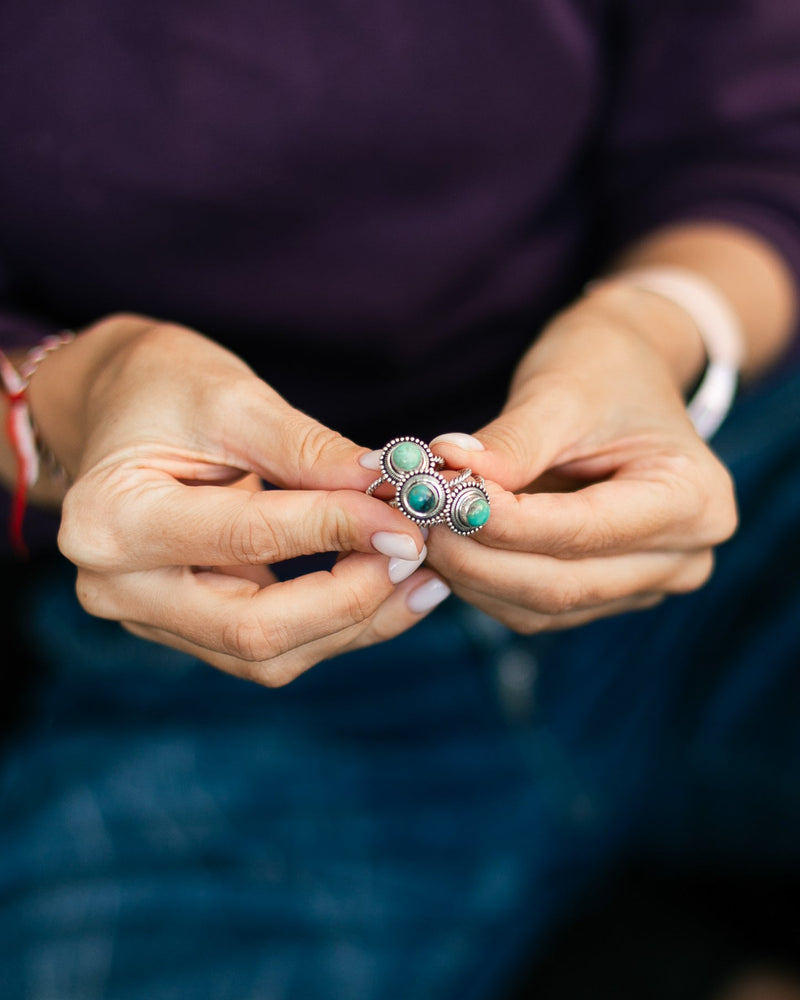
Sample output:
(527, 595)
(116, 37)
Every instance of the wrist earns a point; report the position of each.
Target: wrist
(601, 348)
(718, 326)
(61, 389)
(660, 323)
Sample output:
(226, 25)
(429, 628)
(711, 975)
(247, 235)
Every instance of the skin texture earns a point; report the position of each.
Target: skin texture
(604, 498)
(646, 500)
(167, 522)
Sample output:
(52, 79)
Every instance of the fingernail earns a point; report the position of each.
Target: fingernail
(395, 544)
(401, 569)
(427, 596)
(465, 441)
(424, 531)
(371, 461)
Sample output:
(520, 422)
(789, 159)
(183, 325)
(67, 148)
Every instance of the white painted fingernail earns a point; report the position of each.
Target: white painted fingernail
(395, 544)
(424, 531)
(371, 461)
(401, 569)
(465, 441)
(427, 596)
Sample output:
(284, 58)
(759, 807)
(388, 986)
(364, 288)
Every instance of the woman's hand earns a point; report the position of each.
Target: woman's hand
(604, 499)
(167, 435)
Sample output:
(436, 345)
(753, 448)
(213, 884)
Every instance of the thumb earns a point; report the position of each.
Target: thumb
(290, 449)
(523, 442)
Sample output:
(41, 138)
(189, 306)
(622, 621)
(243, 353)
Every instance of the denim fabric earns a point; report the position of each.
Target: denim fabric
(408, 821)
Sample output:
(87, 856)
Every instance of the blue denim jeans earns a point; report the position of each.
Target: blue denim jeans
(408, 821)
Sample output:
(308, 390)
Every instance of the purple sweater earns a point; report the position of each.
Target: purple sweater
(376, 204)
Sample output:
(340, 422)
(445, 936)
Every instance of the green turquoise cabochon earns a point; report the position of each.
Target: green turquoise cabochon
(406, 456)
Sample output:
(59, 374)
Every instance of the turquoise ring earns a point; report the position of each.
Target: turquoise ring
(424, 495)
(469, 506)
(405, 456)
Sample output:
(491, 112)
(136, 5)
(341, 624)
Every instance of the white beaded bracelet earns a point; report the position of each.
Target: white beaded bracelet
(719, 328)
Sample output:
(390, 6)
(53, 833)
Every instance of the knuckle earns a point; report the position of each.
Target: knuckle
(310, 440)
(563, 596)
(712, 506)
(384, 624)
(278, 673)
(380, 630)
(724, 506)
(269, 675)
(334, 529)
(252, 537)
(523, 622)
(590, 534)
(361, 602)
(89, 536)
(530, 625)
(69, 534)
(254, 641)
(94, 595)
(695, 574)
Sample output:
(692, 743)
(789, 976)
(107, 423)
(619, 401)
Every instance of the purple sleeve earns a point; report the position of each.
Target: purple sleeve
(704, 121)
(19, 330)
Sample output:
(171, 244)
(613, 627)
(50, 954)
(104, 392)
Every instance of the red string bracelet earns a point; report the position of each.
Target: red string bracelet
(21, 432)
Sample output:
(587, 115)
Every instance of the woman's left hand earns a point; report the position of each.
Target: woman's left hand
(604, 499)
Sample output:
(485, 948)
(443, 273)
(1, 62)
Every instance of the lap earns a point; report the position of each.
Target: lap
(172, 832)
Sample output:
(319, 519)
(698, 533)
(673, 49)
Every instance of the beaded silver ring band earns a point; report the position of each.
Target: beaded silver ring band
(424, 495)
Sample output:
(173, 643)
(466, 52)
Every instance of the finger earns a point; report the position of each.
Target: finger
(527, 622)
(398, 613)
(411, 601)
(229, 615)
(524, 440)
(155, 521)
(553, 586)
(275, 672)
(223, 415)
(286, 446)
(259, 574)
(658, 510)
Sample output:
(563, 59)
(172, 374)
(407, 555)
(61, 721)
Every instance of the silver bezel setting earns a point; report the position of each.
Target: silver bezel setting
(439, 485)
(460, 489)
(395, 475)
(451, 494)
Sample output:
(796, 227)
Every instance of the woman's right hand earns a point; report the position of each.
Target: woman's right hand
(167, 436)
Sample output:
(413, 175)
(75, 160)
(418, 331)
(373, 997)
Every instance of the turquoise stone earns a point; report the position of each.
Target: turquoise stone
(406, 456)
(477, 513)
(422, 499)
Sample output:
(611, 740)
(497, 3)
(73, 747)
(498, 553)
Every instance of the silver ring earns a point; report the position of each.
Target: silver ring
(403, 457)
(424, 498)
(424, 495)
(469, 505)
